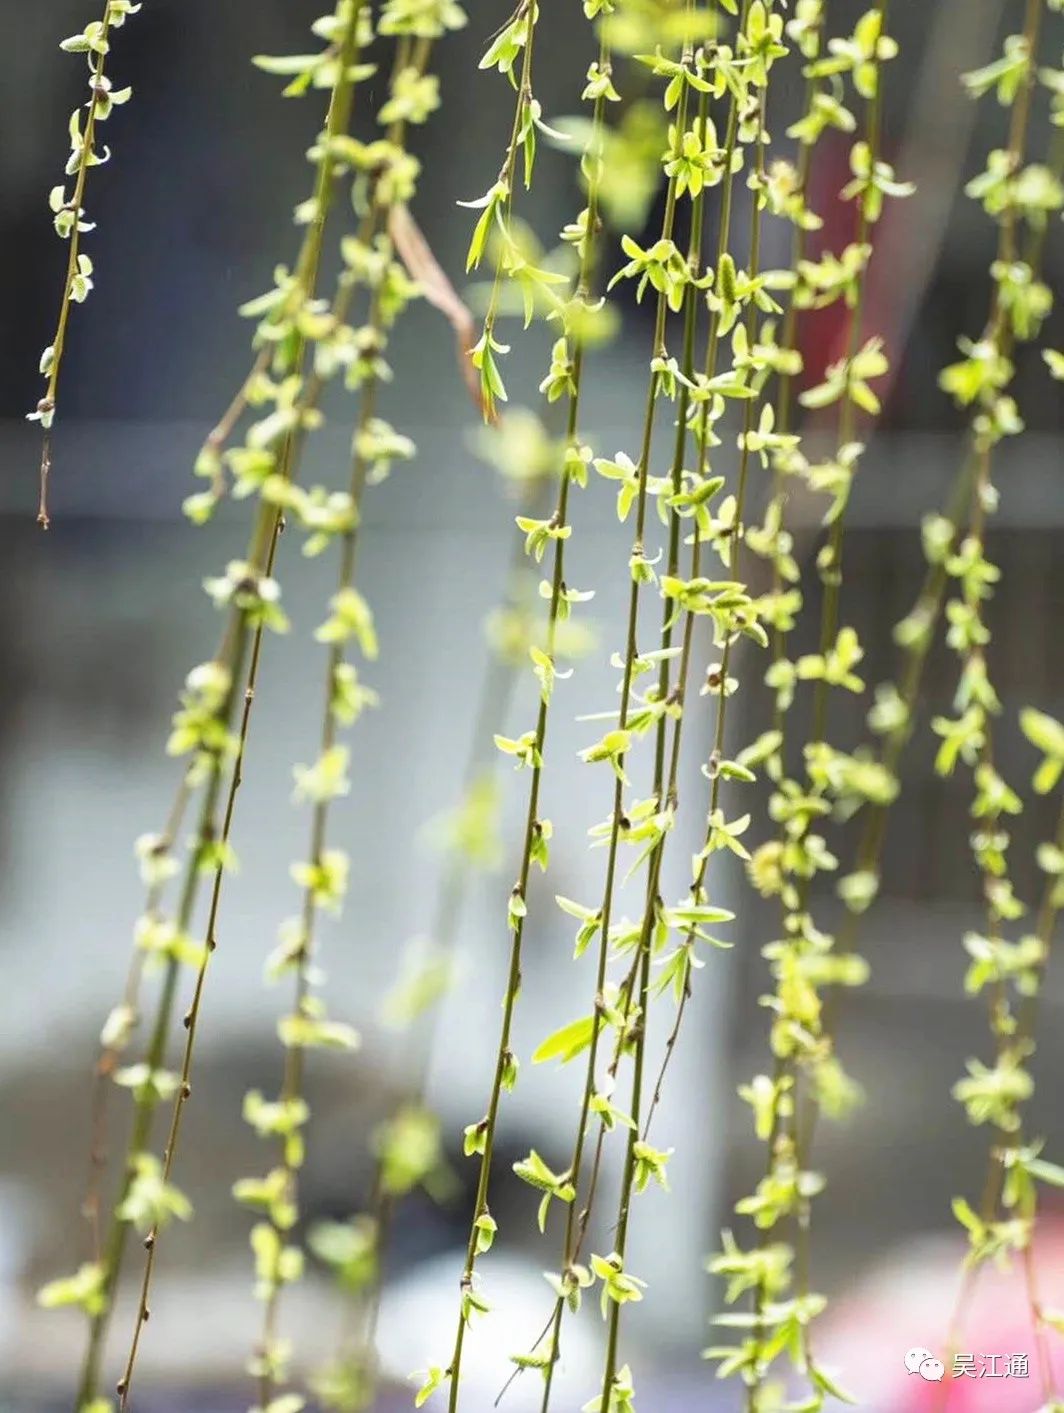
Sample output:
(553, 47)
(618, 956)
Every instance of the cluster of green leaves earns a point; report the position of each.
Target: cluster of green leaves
(302, 342)
(734, 299)
(712, 69)
(1020, 196)
(545, 537)
(408, 1145)
(995, 1094)
(805, 961)
(495, 234)
(1011, 972)
(68, 205)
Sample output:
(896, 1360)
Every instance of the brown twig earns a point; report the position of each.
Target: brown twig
(422, 266)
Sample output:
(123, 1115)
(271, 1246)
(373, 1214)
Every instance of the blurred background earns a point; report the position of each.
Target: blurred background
(102, 618)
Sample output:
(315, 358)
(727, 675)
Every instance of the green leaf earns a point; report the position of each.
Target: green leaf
(87, 1288)
(1051, 1173)
(568, 1042)
(285, 64)
(828, 1385)
(962, 1210)
(434, 1379)
(1043, 731)
(486, 1227)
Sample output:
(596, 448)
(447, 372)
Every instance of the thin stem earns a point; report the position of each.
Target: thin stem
(831, 565)
(493, 706)
(184, 1090)
(783, 405)
(144, 1104)
(559, 520)
(110, 1051)
(530, 9)
(785, 386)
(223, 429)
(668, 799)
(359, 1346)
(46, 407)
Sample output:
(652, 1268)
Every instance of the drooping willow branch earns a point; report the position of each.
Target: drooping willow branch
(563, 381)
(801, 959)
(1013, 193)
(69, 212)
(892, 716)
(295, 326)
(692, 596)
(571, 1277)
(731, 610)
(157, 867)
(155, 851)
(329, 515)
(249, 594)
(822, 111)
(761, 356)
(151, 1197)
(407, 1146)
(515, 40)
(648, 822)
(323, 875)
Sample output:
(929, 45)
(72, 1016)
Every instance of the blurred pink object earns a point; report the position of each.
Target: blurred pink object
(907, 1304)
